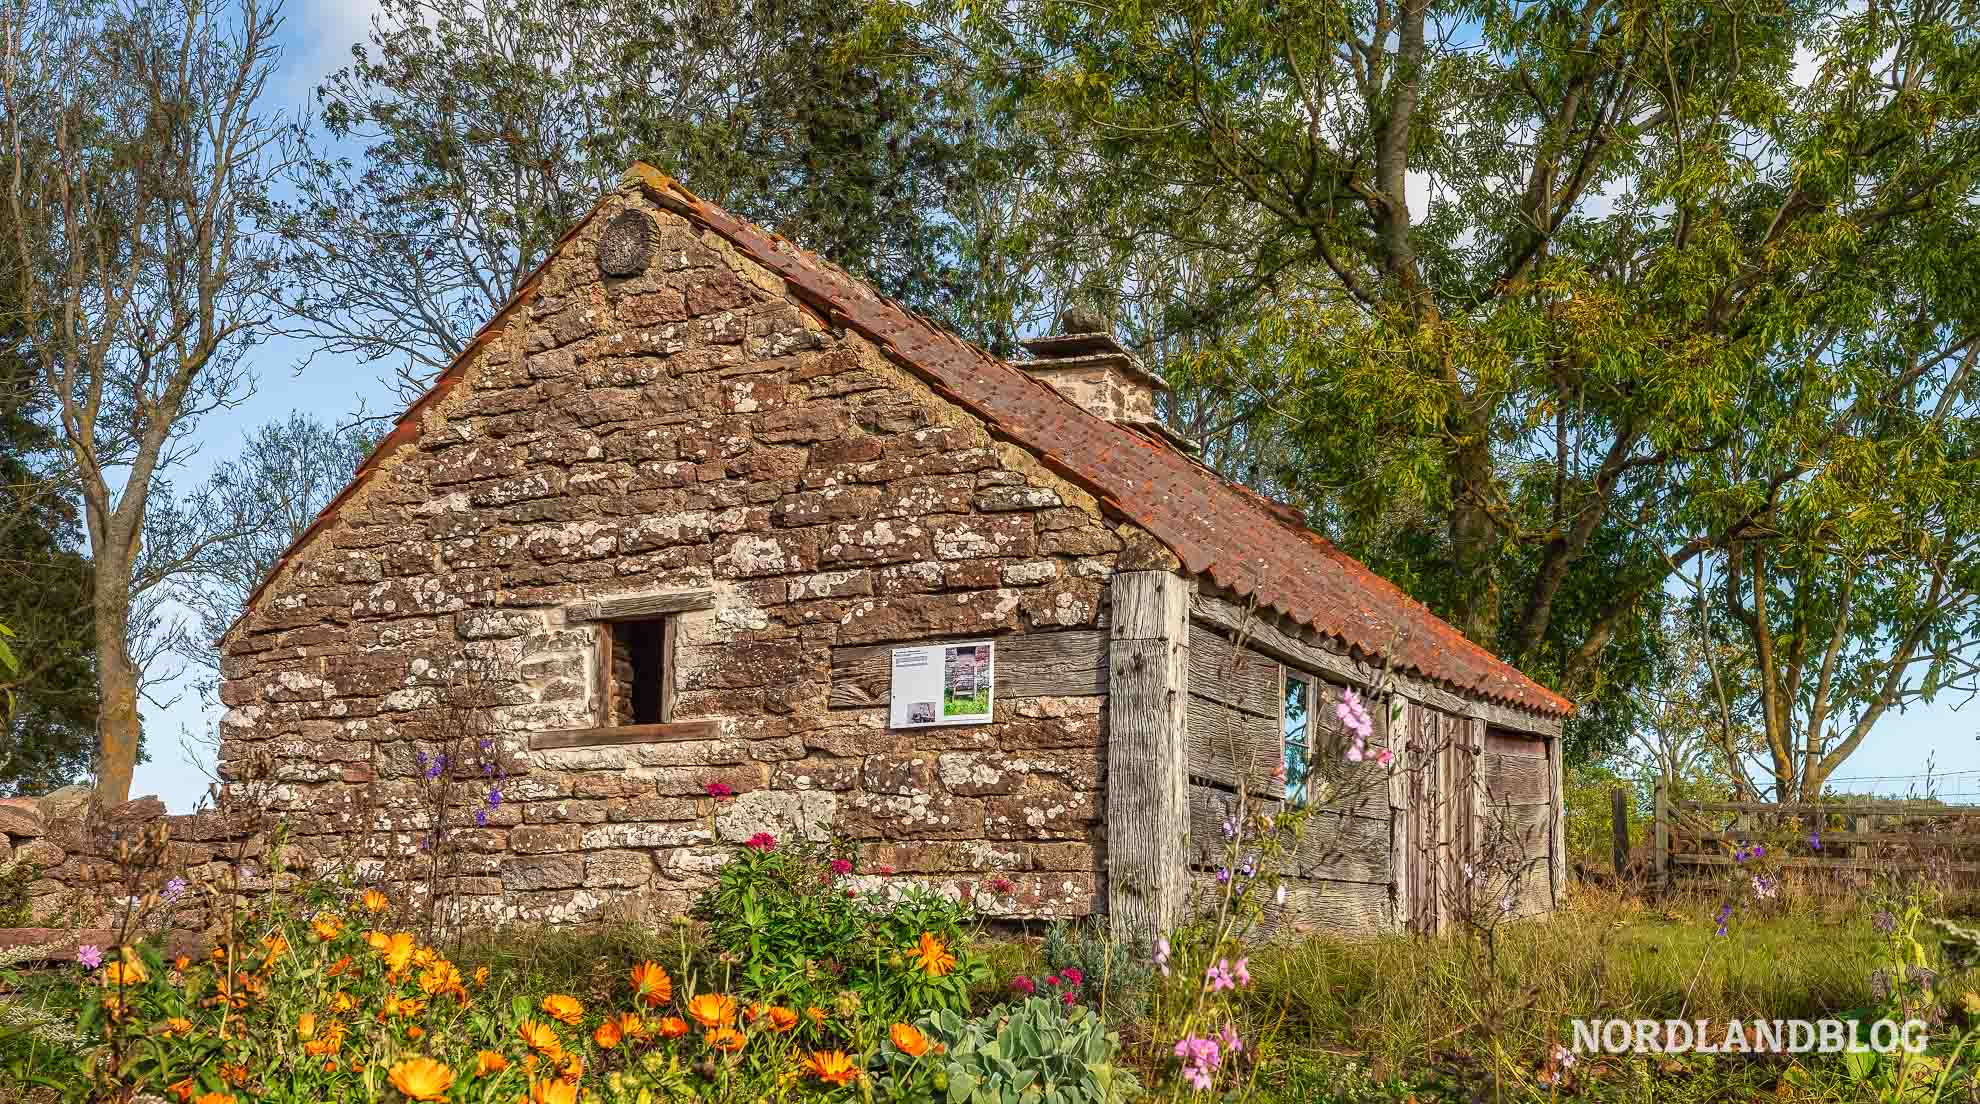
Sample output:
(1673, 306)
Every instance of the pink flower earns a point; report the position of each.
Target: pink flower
(90, 955)
(1069, 996)
(1024, 985)
(1218, 977)
(1002, 885)
(1053, 981)
(762, 841)
(1354, 716)
(842, 867)
(1072, 975)
(1385, 757)
(718, 789)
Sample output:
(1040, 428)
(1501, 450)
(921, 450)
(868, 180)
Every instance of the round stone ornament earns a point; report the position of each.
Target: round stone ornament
(626, 246)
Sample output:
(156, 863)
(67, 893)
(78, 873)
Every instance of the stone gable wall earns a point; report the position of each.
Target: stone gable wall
(689, 427)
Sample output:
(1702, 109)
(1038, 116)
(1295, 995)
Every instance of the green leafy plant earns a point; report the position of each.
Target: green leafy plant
(1116, 974)
(804, 931)
(1033, 1052)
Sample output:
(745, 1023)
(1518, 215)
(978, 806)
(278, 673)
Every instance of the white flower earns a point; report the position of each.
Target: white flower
(1279, 895)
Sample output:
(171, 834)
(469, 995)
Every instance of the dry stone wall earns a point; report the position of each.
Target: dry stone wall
(689, 427)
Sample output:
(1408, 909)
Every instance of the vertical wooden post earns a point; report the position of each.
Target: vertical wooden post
(1399, 721)
(1661, 847)
(1148, 753)
(1619, 829)
(1557, 868)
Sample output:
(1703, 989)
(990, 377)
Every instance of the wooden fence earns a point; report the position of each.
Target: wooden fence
(1695, 837)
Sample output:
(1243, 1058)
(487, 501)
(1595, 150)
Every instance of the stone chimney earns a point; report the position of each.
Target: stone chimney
(1093, 370)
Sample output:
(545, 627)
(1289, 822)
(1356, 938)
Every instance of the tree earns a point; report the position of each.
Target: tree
(283, 477)
(1550, 299)
(486, 130)
(50, 722)
(134, 161)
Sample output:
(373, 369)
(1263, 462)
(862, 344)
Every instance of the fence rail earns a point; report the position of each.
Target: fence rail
(1896, 836)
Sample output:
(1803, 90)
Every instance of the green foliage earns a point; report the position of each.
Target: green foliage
(1034, 1052)
(803, 933)
(1115, 974)
(14, 879)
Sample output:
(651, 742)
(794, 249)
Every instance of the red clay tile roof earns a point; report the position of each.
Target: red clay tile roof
(1243, 542)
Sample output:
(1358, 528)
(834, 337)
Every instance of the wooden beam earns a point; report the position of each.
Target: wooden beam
(670, 733)
(1030, 665)
(1395, 727)
(628, 607)
(1148, 753)
(1558, 867)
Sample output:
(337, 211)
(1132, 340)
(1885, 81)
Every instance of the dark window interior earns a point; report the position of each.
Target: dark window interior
(644, 645)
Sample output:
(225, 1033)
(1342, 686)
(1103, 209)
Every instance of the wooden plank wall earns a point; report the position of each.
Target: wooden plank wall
(1514, 820)
(1340, 879)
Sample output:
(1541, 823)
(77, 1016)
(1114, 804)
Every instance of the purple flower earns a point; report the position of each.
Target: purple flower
(1815, 840)
(1883, 922)
(1224, 876)
(481, 818)
(494, 798)
(1218, 977)
(1161, 955)
(1230, 827)
(1229, 1038)
(90, 955)
(434, 768)
(1725, 915)
(1241, 971)
(174, 888)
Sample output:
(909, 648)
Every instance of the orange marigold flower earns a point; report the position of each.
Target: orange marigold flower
(442, 977)
(573, 1065)
(782, 1019)
(233, 1073)
(329, 1039)
(214, 1098)
(330, 1065)
(559, 1091)
(403, 1006)
(422, 1078)
(725, 1039)
(414, 1031)
(377, 940)
(326, 927)
(306, 1026)
(424, 956)
(712, 1009)
(127, 971)
(398, 951)
(816, 1015)
(673, 1027)
(181, 962)
(374, 901)
(181, 1089)
(480, 975)
(908, 1039)
(608, 1035)
(752, 1012)
(488, 1062)
(932, 956)
(540, 1037)
(632, 1027)
(176, 1026)
(338, 967)
(342, 1002)
(830, 1066)
(277, 947)
(651, 985)
(563, 1008)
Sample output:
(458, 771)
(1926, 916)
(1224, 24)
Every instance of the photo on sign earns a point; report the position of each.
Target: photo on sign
(941, 684)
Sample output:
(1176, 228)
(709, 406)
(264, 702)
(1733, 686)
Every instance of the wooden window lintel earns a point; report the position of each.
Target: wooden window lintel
(630, 607)
(671, 732)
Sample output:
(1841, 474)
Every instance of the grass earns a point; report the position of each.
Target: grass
(1397, 1019)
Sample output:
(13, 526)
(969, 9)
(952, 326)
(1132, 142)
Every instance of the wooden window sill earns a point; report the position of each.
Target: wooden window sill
(669, 733)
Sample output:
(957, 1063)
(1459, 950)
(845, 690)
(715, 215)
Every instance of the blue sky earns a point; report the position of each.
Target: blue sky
(316, 40)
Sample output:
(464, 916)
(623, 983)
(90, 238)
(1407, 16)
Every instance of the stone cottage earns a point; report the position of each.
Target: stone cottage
(706, 513)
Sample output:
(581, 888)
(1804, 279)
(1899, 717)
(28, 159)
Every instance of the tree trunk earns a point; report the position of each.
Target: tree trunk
(118, 727)
(1474, 542)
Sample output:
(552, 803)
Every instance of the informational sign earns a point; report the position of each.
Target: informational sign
(942, 684)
